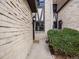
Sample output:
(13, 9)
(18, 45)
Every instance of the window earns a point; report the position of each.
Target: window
(55, 24)
(60, 24)
(39, 26)
(40, 16)
(54, 8)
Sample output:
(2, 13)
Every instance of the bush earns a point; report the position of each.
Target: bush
(64, 41)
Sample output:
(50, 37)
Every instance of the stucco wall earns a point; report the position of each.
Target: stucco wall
(15, 29)
(70, 15)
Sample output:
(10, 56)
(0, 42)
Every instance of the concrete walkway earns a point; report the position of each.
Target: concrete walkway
(40, 51)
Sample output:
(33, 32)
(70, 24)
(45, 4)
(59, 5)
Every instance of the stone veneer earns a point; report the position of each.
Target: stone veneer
(70, 15)
(15, 29)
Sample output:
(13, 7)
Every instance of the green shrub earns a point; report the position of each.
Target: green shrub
(65, 41)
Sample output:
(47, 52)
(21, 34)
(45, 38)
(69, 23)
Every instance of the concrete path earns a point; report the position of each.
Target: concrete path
(40, 51)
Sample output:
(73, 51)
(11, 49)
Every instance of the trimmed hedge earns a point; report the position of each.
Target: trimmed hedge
(64, 41)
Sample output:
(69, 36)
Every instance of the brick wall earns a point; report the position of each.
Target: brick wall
(70, 15)
(48, 15)
(59, 3)
(15, 29)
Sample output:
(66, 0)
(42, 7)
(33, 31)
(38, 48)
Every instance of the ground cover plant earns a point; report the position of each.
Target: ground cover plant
(64, 41)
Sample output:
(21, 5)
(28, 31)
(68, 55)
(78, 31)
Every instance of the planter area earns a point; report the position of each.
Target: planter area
(64, 44)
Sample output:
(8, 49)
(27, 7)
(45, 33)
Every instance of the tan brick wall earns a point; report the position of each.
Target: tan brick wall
(59, 3)
(70, 15)
(15, 29)
(48, 15)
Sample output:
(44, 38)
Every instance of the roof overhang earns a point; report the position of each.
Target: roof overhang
(63, 5)
(60, 3)
(32, 4)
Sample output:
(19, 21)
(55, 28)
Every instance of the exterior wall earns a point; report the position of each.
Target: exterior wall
(48, 20)
(48, 15)
(59, 3)
(15, 29)
(70, 15)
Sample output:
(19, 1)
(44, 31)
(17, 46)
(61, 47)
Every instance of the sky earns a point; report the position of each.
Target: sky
(41, 3)
(41, 0)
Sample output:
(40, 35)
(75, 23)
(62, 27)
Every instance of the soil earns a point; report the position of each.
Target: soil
(65, 57)
(60, 56)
